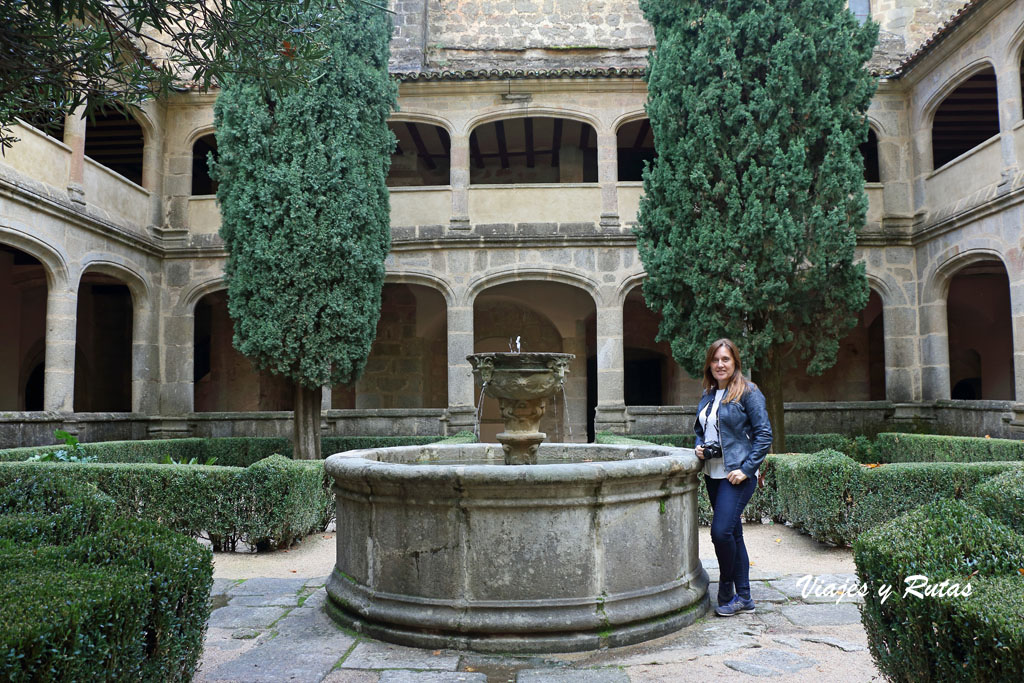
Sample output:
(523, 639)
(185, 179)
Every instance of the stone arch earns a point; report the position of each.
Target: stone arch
(24, 298)
(189, 298)
(121, 270)
(979, 329)
(53, 258)
(423, 117)
(537, 112)
(651, 376)
(951, 135)
(548, 315)
(110, 326)
(954, 259)
(518, 273)
(132, 169)
(408, 364)
(429, 280)
(533, 147)
(953, 82)
(634, 147)
(199, 132)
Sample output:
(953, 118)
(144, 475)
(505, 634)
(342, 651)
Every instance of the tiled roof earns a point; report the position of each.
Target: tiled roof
(947, 28)
(505, 74)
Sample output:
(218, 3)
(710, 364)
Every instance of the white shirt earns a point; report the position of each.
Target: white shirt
(713, 467)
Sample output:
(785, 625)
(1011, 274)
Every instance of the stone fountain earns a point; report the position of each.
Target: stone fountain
(567, 547)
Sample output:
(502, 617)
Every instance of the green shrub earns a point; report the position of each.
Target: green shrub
(1002, 498)
(104, 598)
(231, 451)
(950, 639)
(265, 507)
(835, 499)
(932, 448)
(814, 491)
(459, 438)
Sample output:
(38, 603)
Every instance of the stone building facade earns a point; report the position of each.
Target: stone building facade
(515, 186)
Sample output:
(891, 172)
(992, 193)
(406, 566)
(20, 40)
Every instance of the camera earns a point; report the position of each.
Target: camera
(712, 449)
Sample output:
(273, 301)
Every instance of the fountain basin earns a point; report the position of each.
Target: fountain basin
(436, 551)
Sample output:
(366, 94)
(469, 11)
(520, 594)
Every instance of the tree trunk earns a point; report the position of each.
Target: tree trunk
(770, 382)
(306, 427)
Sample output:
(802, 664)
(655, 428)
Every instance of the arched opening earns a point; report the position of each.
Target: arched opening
(408, 364)
(869, 151)
(223, 379)
(980, 333)
(103, 346)
(202, 183)
(545, 316)
(966, 118)
(23, 292)
(533, 149)
(422, 156)
(635, 149)
(115, 140)
(859, 371)
(652, 377)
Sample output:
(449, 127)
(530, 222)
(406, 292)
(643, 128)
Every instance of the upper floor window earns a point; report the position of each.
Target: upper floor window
(966, 118)
(202, 183)
(423, 155)
(533, 149)
(115, 140)
(869, 150)
(635, 148)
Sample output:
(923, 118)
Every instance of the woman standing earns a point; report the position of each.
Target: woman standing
(733, 436)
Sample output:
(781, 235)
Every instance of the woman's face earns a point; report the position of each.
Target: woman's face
(722, 366)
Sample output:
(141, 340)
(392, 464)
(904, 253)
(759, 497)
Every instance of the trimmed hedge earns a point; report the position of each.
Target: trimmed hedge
(95, 597)
(835, 499)
(232, 451)
(267, 505)
(1002, 499)
(953, 638)
(930, 448)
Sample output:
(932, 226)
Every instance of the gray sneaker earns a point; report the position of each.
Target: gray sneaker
(737, 606)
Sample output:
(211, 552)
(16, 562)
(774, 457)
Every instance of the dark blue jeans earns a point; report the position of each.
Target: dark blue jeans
(727, 503)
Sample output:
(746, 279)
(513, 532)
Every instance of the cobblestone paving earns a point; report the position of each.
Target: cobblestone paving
(267, 629)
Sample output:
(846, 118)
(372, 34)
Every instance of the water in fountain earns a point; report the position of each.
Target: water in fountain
(479, 411)
(565, 414)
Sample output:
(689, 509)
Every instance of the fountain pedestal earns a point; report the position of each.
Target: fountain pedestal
(522, 383)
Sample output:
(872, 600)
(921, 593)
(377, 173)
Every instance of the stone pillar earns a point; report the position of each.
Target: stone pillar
(922, 151)
(934, 351)
(1008, 87)
(1017, 322)
(74, 137)
(460, 182)
(611, 403)
(59, 378)
(145, 361)
(575, 389)
(461, 401)
(152, 174)
(177, 391)
(608, 176)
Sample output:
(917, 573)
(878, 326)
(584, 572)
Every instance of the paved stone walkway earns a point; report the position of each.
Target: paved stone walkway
(266, 629)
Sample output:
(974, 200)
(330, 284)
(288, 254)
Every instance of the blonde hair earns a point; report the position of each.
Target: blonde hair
(737, 383)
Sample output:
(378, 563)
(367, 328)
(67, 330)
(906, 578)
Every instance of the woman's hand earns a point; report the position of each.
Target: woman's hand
(736, 477)
(699, 450)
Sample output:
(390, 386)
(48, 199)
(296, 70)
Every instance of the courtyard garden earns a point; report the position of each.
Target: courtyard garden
(104, 577)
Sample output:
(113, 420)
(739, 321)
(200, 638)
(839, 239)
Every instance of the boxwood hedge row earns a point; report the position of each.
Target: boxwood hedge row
(966, 634)
(933, 448)
(267, 505)
(231, 451)
(835, 499)
(85, 595)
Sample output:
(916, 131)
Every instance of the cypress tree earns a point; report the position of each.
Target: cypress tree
(305, 214)
(747, 224)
